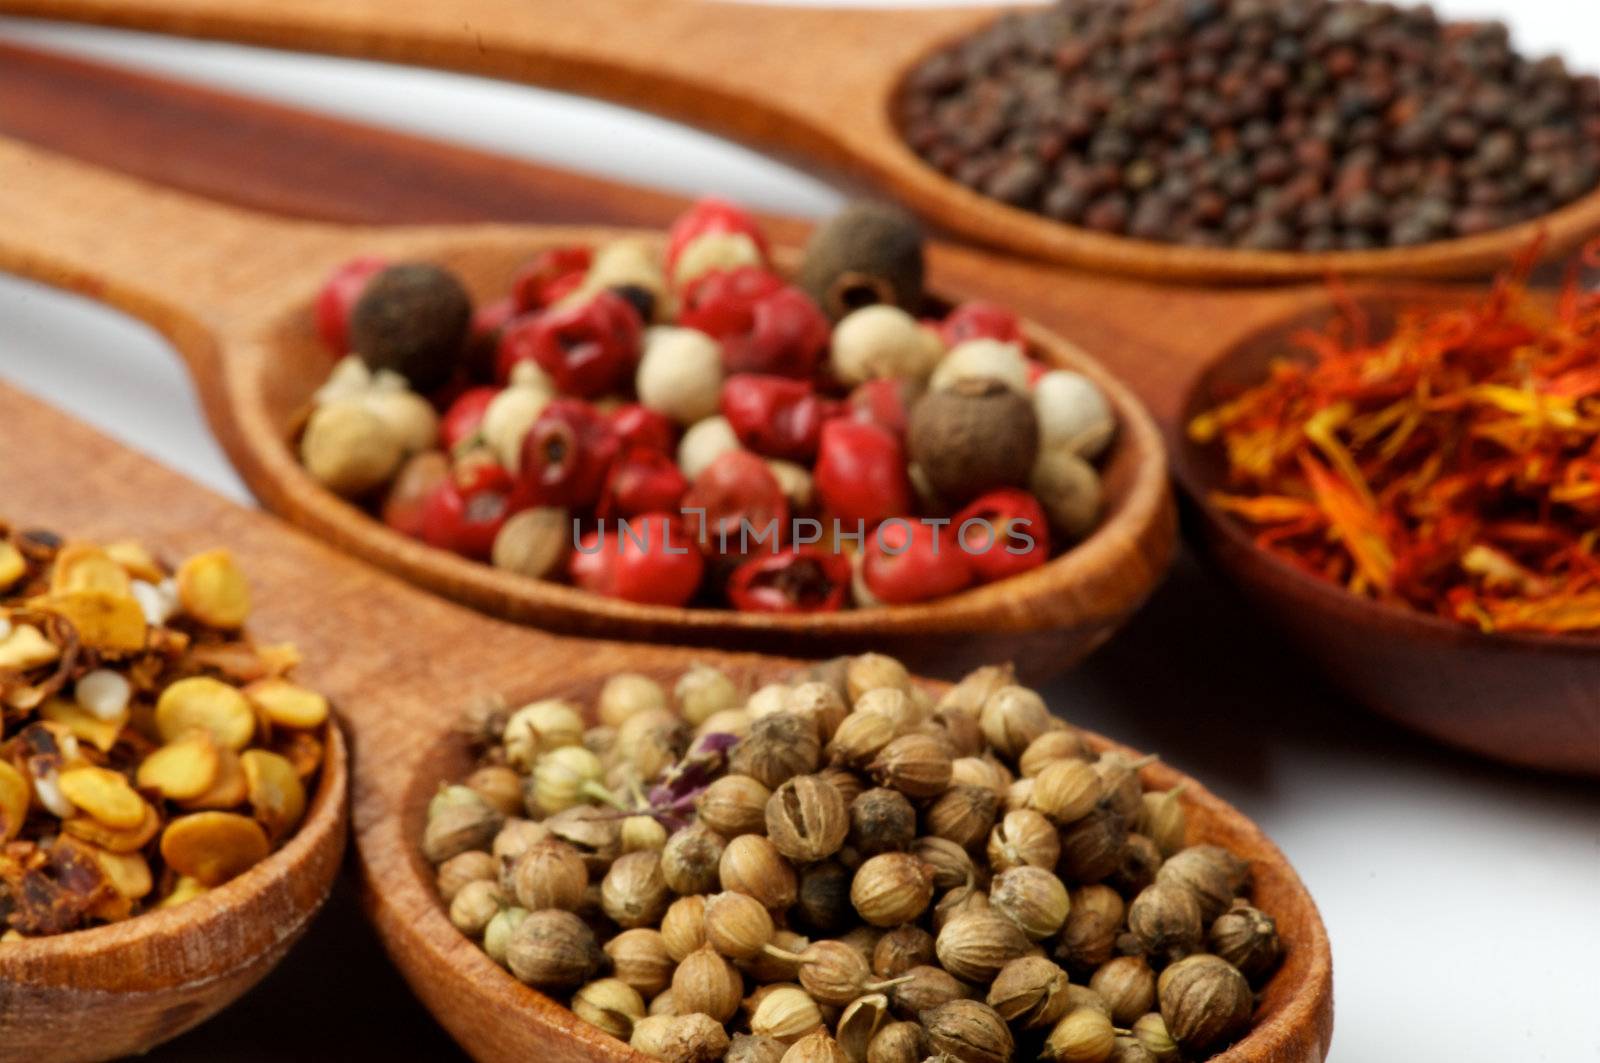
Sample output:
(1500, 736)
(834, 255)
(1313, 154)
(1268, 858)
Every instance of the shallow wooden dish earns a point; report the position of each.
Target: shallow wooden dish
(233, 292)
(122, 989)
(408, 662)
(816, 85)
(1527, 699)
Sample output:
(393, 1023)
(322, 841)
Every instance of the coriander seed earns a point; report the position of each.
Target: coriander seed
(702, 692)
(690, 859)
(639, 957)
(1050, 747)
(634, 892)
(1032, 898)
(552, 950)
(859, 738)
(824, 897)
(1247, 938)
(975, 945)
(736, 925)
(1205, 1002)
(1129, 987)
(785, 1014)
(1151, 1032)
(897, 1042)
(593, 832)
(927, 987)
(1083, 1036)
(881, 820)
(500, 786)
(550, 874)
(916, 765)
(1024, 838)
(1091, 848)
(1141, 859)
(456, 872)
(707, 983)
(474, 905)
(807, 819)
(466, 823)
(815, 1047)
(734, 805)
(1162, 820)
(497, 935)
(1210, 872)
(690, 1038)
(1066, 790)
(683, 927)
(950, 863)
(1012, 717)
(860, 1022)
(892, 888)
(753, 1048)
(626, 694)
(1119, 775)
(820, 703)
(900, 950)
(642, 833)
(1030, 991)
(778, 747)
(752, 865)
(610, 1004)
(872, 671)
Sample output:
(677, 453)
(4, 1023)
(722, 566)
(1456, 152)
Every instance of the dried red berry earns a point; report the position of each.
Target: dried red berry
(1003, 533)
(465, 512)
(566, 455)
(720, 302)
(587, 350)
(980, 321)
(912, 561)
(647, 559)
(464, 417)
(548, 276)
(763, 324)
(885, 402)
(339, 296)
(642, 480)
(801, 579)
(861, 472)
(640, 426)
(489, 323)
(711, 215)
(734, 501)
(774, 415)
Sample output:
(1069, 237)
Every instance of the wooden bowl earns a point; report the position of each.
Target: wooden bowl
(121, 989)
(1526, 699)
(410, 661)
(815, 85)
(233, 291)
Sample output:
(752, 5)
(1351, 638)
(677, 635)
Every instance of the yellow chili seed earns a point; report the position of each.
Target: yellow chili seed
(229, 790)
(117, 841)
(13, 566)
(288, 704)
(14, 796)
(135, 560)
(213, 846)
(104, 620)
(26, 647)
(182, 770)
(105, 795)
(102, 734)
(184, 890)
(128, 873)
(276, 793)
(212, 589)
(86, 567)
(209, 705)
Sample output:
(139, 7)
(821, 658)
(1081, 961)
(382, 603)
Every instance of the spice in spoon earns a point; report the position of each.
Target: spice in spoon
(1451, 466)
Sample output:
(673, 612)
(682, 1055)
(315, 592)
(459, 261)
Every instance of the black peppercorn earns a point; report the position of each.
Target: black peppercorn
(412, 319)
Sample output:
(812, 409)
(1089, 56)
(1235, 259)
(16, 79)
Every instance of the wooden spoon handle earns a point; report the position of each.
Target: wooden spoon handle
(791, 80)
(186, 266)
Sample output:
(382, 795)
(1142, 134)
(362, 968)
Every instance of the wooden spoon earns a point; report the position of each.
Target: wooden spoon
(406, 663)
(233, 292)
(1159, 339)
(815, 85)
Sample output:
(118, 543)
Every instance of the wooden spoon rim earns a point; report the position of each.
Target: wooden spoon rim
(1135, 536)
(1302, 585)
(83, 959)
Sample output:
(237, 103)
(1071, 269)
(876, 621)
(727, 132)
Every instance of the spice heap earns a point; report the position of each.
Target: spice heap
(148, 750)
(1272, 125)
(773, 446)
(846, 869)
(1452, 467)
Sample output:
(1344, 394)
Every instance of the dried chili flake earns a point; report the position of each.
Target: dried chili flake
(1452, 467)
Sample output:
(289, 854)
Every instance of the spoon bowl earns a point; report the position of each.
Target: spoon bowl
(817, 86)
(121, 989)
(234, 291)
(1525, 699)
(409, 662)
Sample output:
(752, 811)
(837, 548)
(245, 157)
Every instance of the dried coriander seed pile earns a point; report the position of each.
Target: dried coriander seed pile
(845, 868)
(149, 751)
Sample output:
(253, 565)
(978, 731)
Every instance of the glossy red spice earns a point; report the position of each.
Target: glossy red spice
(734, 501)
(549, 275)
(648, 559)
(980, 321)
(466, 511)
(860, 473)
(640, 426)
(907, 560)
(566, 455)
(465, 416)
(775, 415)
(339, 296)
(708, 216)
(800, 579)
(1003, 533)
(642, 480)
(588, 349)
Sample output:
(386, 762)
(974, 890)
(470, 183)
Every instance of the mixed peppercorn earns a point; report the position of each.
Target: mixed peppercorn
(845, 868)
(149, 751)
(683, 424)
(1274, 125)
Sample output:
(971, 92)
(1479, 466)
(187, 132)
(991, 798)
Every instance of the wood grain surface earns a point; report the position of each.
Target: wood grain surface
(400, 664)
(813, 85)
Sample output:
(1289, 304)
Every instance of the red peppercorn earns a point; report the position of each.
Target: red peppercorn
(465, 512)
(1003, 533)
(733, 502)
(647, 559)
(885, 402)
(489, 323)
(776, 416)
(640, 426)
(711, 215)
(861, 472)
(641, 480)
(464, 417)
(719, 302)
(980, 321)
(549, 275)
(566, 455)
(912, 561)
(339, 296)
(587, 350)
(800, 579)
(763, 324)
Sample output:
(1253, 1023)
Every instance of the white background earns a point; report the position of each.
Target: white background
(1463, 900)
